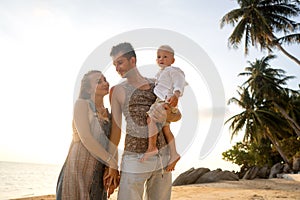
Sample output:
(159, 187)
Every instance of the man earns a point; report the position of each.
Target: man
(133, 98)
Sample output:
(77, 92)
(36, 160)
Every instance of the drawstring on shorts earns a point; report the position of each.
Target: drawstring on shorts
(162, 166)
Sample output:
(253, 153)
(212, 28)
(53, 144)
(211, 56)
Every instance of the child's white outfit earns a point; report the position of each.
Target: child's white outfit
(168, 80)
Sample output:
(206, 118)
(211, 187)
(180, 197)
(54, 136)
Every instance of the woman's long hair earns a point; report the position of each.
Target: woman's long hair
(86, 85)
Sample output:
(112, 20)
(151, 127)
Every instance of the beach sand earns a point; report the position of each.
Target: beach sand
(258, 189)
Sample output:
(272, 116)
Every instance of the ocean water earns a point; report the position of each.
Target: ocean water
(26, 179)
(19, 180)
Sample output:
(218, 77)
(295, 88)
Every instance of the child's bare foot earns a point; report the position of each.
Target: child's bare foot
(173, 161)
(151, 151)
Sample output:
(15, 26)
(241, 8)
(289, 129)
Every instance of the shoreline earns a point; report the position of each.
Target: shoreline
(257, 189)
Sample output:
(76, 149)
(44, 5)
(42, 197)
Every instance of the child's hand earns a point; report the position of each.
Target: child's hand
(173, 101)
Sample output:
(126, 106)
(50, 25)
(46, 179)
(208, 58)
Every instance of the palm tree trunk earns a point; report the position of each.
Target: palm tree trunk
(277, 146)
(291, 122)
(287, 54)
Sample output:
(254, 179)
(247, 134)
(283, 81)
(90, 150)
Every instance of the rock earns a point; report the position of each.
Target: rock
(242, 172)
(287, 169)
(263, 172)
(190, 176)
(209, 177)
(296, 164)
(181, 179)
(217, 175)
(276, 169)
(251, 173)
(229, 176)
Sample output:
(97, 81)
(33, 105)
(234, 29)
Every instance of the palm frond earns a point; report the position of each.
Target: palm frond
(232, 17)
(289, 39)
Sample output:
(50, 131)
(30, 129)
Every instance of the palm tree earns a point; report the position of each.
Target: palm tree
(293, 105)
(269, 110)
(245, 118)
(267, 83)
(289, 106)
(258, 20)
(259, 122)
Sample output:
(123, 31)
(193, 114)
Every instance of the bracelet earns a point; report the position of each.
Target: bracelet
(109, 158)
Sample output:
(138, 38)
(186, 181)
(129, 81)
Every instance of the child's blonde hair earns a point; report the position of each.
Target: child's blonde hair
(166, 48)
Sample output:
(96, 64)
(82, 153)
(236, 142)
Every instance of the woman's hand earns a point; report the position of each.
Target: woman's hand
(112, 177)
(111, 180)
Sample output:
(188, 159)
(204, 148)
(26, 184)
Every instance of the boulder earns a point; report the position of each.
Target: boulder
(229, 176)
(276, 169)
(190, 176)
(217, 175)
(296, 164)
(242, 172)
(263, 172)
(251, 173)
(209, 177)
(287, 169)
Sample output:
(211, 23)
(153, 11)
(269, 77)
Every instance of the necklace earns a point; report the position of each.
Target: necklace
(101, 111)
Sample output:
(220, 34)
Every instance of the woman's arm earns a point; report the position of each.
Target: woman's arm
(82, 124)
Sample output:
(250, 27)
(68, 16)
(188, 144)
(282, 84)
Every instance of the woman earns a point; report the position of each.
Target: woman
(82, 174)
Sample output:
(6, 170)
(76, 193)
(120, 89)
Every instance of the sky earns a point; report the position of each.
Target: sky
(45, 43)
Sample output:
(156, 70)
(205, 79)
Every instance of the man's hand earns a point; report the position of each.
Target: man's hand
(172, 117)
(110, 190)
(162, 113)
(158, 112)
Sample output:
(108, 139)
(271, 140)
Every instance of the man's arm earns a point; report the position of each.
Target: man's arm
(116, 111)
(116, 97)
